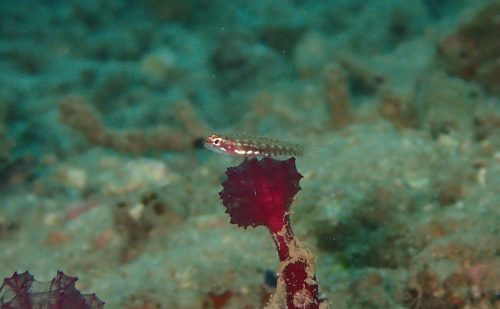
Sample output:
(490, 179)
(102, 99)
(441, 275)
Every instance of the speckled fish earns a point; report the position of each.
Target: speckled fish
(252, 146)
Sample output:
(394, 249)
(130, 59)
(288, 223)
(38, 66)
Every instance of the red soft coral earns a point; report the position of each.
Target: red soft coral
(16, 293)
(259, 193)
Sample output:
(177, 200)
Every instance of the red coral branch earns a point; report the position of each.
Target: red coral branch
(260, 193)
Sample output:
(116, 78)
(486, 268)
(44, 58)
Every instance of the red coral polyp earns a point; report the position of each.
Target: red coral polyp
(260, 192)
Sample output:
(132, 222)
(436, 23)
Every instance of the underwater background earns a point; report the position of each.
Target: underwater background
(104, 107)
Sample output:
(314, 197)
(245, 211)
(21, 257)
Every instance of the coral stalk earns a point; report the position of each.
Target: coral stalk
(297, 269)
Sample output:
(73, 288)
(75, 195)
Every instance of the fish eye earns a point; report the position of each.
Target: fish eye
(217, 141)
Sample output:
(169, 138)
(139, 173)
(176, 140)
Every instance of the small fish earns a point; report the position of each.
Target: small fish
(252, 147)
